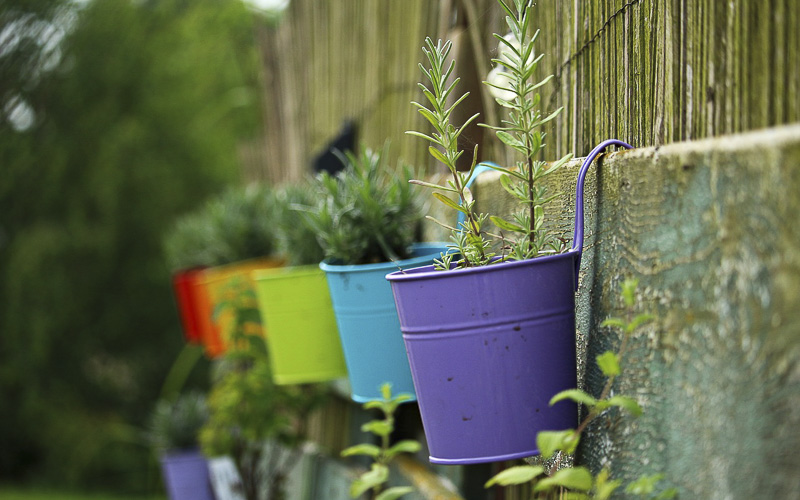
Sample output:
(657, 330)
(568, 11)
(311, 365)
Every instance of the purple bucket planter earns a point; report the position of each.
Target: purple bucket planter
(490, 346)
(186, 476)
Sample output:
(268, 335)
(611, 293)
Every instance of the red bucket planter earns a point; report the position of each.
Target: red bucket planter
(185, 285)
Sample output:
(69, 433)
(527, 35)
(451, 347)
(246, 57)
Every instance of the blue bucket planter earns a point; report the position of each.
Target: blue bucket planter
(186, 476)
(368, 325)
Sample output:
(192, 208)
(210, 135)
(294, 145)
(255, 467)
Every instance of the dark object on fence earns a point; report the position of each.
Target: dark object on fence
(327, 160)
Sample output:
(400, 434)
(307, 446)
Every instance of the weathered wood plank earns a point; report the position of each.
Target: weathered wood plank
(718, 374)
(645, 71)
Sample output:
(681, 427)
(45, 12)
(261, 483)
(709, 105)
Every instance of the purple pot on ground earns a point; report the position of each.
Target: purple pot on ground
(490, 346)
(186, 476)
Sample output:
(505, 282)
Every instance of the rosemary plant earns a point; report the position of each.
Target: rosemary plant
(523, 235)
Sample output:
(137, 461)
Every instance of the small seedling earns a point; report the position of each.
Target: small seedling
(377, 476)
(578, 480)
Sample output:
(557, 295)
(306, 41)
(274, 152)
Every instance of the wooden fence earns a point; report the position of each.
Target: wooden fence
(649, 72)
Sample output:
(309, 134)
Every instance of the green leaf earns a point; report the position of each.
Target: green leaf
(468, 199)
(575, 495)
(615, 323)
(603, 488)
(627, 403)
(508, 226)
(667, 494)
(394, 493)
(402, 398)
(508, 185)
(438, 155)
(373, 405)
(386, 391)
(638, 321)
(550, 117)
(378, 427)
(513, 173)
(446, 226)
(608, 363)
(424, 136)
(519, 474)
(557, 165)
(369, 450)
(405, 446)
(575, 395)
(629, 291)
(645, 485)
(509, 139)
(376, 476)
(431, 185)
(550, 442)
(574, 478)
(450, 203)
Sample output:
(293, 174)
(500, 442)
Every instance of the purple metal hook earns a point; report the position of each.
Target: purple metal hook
(577, 240)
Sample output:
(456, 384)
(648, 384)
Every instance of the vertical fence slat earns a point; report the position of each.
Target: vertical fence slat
(648, 71)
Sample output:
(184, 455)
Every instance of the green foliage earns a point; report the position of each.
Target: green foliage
(519, 474)
(297, 238)
(237, 225)
(247, 409)
(367, 213)
(521, 133)
(524, 235)
(646, 487)
(175, 425)
(376, 477)
(578, 481)
(139, 108)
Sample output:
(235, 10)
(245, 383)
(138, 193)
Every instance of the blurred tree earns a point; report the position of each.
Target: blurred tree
(115, 116)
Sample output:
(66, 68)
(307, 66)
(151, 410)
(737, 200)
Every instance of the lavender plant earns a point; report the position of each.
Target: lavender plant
(523, 235)
(367, 213)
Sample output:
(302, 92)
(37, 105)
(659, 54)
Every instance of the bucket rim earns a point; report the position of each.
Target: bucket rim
(430, 249)
(277, 273)
(429, 273)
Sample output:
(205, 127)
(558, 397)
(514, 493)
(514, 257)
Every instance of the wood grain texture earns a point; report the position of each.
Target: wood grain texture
(649, 72)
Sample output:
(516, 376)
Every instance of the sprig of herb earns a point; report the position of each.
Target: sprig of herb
(376, 477)
(471, 244)
(521, 131)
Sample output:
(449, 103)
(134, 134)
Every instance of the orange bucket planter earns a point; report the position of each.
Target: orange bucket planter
(224, 286)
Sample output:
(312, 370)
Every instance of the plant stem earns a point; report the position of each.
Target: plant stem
(470, 215)
(531, 204)
(606, 389)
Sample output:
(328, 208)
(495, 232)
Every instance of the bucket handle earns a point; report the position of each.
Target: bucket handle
(577, 240)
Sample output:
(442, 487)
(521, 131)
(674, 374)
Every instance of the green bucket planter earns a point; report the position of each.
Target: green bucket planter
(295, 305)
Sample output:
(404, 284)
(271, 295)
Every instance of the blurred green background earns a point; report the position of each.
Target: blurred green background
(115, 117)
